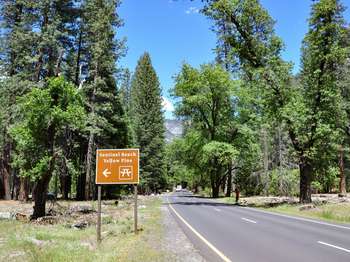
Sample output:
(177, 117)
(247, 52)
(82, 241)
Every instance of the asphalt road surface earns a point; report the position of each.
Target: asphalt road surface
(223, 232)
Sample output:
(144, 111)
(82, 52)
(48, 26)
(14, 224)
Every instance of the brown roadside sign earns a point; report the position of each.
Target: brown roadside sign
(117, 166)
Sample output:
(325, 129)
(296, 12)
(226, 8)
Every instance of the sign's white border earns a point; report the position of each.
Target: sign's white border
(118, 183)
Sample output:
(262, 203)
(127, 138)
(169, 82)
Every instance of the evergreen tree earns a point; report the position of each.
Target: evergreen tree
(35, 35)
(323, 55)
(107, 126)
(15, 49)
(148, 124)
(125, 89)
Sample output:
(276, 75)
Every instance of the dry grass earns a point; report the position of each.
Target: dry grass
(23, 241)
(329, 212)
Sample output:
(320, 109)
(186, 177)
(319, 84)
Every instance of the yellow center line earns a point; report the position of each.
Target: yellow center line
(211, 246)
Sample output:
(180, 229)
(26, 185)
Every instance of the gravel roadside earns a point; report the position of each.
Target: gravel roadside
(175, 241)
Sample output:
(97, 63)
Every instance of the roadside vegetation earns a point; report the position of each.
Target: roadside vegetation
(329, 212)
(252, 125)
(326, 207)
(71, 236)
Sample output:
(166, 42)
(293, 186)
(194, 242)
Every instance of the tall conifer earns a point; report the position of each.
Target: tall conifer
(106, 127)
(148, 123)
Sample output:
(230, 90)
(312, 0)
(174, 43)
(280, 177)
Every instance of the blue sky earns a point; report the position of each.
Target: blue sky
(174, 32)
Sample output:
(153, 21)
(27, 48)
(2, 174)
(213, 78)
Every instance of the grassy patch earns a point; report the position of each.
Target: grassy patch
(329, 212)
(332, 212)
(31, 242)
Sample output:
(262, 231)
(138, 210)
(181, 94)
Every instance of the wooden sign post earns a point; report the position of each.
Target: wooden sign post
(113, 167)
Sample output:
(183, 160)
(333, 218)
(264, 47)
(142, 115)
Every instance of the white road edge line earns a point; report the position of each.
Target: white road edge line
(296, 218)
(330, 245)
(249, 220)
(216, 209)
(220, 254)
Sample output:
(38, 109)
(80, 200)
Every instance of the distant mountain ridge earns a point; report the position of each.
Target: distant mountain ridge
(173, 129)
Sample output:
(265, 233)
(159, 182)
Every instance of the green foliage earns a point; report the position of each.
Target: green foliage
(322, 54)
(107, 116)
(58, 105)
(220, 152)
(284, 183)
(206, 99)
(218, 136)
(148, 124)
(327, 179)
(311, 106)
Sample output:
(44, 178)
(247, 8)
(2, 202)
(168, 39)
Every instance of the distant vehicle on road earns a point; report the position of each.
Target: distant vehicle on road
(178, 188)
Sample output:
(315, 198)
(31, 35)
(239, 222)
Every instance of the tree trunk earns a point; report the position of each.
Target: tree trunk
(2, 193)
(5, 166)
(77, 65)
(39, 194)
(215, 190)
(65, 181)
(88, 179)
(91, 143)
(80, 187)
(223, 185)
(266, 161)
(5, 179)
(215, 184)
(305, 182)
(237, 194)
(42, 184)
(229, 182)
(342, 181)
(23, 189)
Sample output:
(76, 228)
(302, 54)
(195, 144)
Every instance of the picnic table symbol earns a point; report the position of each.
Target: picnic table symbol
(125, 172)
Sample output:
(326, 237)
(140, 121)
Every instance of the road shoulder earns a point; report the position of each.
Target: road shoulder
(176, 242)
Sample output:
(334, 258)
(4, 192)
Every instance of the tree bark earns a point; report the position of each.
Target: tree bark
(77, 65)
(215, 190)
(1, 189)
(215, 183)
(23, 194)
(229, 182)
(266, 160)
(6, 190)
(39, 193)
(88, 180)
(66, 182)
(237, 194)
(305, 182)
(342, 181)
(42, 184)
(5, 168)
(223, 185)
(91, 143)
(80, 187)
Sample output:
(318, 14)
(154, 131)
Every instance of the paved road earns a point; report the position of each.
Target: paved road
(223, 232)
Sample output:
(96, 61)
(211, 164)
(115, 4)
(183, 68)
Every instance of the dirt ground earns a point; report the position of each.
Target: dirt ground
(68, 232)
(74, 213)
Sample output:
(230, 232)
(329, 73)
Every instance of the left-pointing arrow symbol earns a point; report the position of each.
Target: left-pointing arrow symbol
(106, 172)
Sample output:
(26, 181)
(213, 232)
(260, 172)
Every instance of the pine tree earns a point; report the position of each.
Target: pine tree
(37, 35)
(148, 124)
(323, 55)
(125, 89)
(107, 127)
(16, 47)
